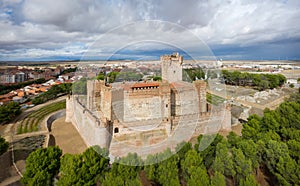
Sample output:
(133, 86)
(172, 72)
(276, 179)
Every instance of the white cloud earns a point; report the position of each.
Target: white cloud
(30, 26)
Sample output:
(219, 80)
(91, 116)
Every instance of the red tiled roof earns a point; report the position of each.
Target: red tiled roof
(140, 85)
(18, 90)
(5, 100)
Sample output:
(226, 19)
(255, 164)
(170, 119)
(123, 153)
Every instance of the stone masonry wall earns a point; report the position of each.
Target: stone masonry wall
(93, 131)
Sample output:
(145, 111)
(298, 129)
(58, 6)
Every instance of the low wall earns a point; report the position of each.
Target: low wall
(53, 117)
(48, 122)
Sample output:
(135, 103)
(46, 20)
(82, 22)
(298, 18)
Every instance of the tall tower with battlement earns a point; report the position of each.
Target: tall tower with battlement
(171, 67)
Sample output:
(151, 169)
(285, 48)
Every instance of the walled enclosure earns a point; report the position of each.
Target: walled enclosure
(146, 117)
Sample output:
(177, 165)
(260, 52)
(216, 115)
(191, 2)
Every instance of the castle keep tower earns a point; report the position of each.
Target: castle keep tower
(171, 67)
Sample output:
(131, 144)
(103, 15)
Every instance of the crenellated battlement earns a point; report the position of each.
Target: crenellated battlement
(145, 113)
(175, 57)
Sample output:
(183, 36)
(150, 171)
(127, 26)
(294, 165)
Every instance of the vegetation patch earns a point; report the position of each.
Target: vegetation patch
(32, 121)
(53, 92)
(259, 81)
(269, 144)
(9, 112)
(3, 145)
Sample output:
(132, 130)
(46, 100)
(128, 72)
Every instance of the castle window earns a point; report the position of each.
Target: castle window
(166, 105)
(174, 71)
(116, 130)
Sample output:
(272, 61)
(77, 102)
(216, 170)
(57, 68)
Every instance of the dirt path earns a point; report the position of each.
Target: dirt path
(65, 135)
(11, 180)
(236, 129)
(8, 132)
(274, 104)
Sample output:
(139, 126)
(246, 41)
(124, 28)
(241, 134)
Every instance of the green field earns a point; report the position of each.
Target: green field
(31, 122)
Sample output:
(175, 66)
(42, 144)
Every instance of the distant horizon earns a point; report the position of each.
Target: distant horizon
(149, 56)
(132, 60)
(130, 30)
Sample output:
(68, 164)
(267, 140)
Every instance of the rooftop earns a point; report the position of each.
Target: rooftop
(142, 85)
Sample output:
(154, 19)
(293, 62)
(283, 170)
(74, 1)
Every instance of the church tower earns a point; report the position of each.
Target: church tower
(171, 67)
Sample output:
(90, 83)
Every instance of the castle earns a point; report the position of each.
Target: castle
(145, 117)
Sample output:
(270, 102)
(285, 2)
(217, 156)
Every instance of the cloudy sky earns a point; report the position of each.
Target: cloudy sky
(137, 29)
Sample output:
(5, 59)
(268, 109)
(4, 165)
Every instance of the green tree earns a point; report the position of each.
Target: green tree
(252, 128)
(218, 179)
(206, 147)
(263, 85)
(155, 164)
(157, 78)
(83, 168)
(3, 145)
(182, 148)
(124, 171)
(53, 92)
(294, 148)
(117, 180)
(41, 166)
(260, 81)
(41, 178)
(193, 74)
(287, 171)
(223, 162)
(273, 151)
(167, 170)
(70, 170)
(282, 79)
(191, 159)
(9, 112)
(113, 76)
(250, 151)
(243, 166)
(270, 121)
(198, 177)
(233, 139)
(150, 167)
(256, 79)
(100, 76)
(248, 181)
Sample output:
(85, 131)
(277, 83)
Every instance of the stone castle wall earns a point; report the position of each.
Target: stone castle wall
(146, 118)
(157, 139)
(149, 136)
(142, 104)
(92, 130)
(200, 87)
